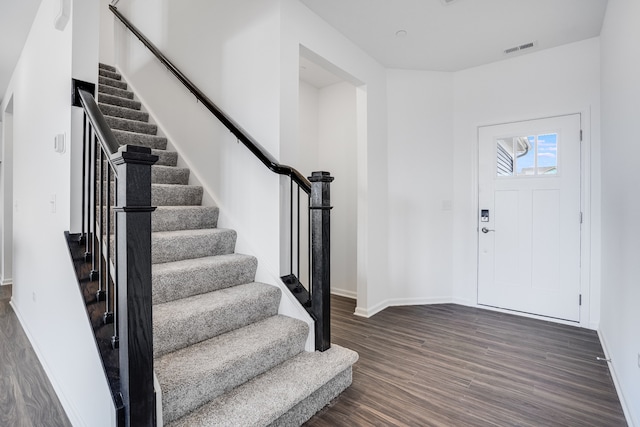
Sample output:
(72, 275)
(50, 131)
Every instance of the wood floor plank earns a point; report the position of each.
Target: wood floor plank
(27, 398)
(450, 365)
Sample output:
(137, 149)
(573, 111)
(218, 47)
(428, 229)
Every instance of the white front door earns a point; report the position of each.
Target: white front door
(529, 217)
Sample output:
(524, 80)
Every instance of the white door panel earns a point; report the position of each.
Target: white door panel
(529, 251)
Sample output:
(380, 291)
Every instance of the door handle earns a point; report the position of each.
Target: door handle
(485, 230)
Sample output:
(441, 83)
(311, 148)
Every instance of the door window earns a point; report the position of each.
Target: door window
(530, 155)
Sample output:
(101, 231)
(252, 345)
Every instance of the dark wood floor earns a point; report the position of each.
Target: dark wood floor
(450, 365)
(439, 365)
(27, 398)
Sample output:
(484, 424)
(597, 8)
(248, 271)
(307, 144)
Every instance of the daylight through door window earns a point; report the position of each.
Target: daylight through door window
(530, 155)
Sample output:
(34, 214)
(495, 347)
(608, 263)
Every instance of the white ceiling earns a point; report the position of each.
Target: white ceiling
(461, 34)
(16, 17)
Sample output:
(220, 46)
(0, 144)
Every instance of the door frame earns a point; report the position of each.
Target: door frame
(587, 268)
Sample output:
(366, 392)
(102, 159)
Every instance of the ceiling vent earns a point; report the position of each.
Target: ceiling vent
(447, 2)
(520, 47)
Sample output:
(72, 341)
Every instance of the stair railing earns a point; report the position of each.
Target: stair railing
(316, 297)
(116, 232)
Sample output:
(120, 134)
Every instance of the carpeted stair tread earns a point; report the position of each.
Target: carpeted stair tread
(169, 175)
(132, 138)
(185, 278)
(105, 98)
(193, 376)
(268, 398)
(111, 90)
(171, 218)
(169, 246)
(109, 74)
(111, 82)
(187, 321)
(107, 67)
(124, 112)
(165, 158)
(175, 195)
(119, 123)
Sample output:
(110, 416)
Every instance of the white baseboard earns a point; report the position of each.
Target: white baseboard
(394, 302)
(69, 408)
(8, 281)
(344, 293)
(616, 383)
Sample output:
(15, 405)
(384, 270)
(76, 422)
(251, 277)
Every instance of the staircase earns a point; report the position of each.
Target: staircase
(223, 355)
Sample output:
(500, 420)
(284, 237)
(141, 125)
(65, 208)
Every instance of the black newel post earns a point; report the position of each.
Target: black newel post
(133, 207)
(321, 258)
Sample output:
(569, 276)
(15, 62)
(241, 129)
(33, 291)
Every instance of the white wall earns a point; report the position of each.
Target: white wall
(420, 132)
(337, 151)
(620, 319)
(6, 194)
(301, 27)
(46, 297)
(550, 82)
(328, 142)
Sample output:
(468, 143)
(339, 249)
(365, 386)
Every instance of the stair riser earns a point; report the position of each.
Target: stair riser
(189, 321)
(185, 279)
(131, 125)
(306, 409)
(177, 248)
(178, 195)
(169, 218)
(161, 195)
(167, 175)
(110, 90)
(110, 82)
(165, 158)
(120, 102)
(151, 141)
(107, 67)
(109, 74)
(123, 112)
(192, 219)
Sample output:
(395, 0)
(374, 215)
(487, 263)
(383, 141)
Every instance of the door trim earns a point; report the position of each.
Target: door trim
(588, 318)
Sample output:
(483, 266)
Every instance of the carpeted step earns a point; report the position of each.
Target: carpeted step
(165, 158)
(175, 195)
(287, 395)
(120, 84)
(182, 279)
(131, 138)
(169, 246)
(193, 376)
(106, 67)
(105, 98)
(123, 112)
(110, 90)
(109, 74)
(169, 175)
(170, 218)
(117, 123)
(188, 321)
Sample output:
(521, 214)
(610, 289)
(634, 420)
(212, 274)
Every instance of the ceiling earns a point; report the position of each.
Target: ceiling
(16, 17)
(444, 35)
(440, 35)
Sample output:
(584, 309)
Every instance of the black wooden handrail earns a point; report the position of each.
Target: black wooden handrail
(258, 150)
(98, 123)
